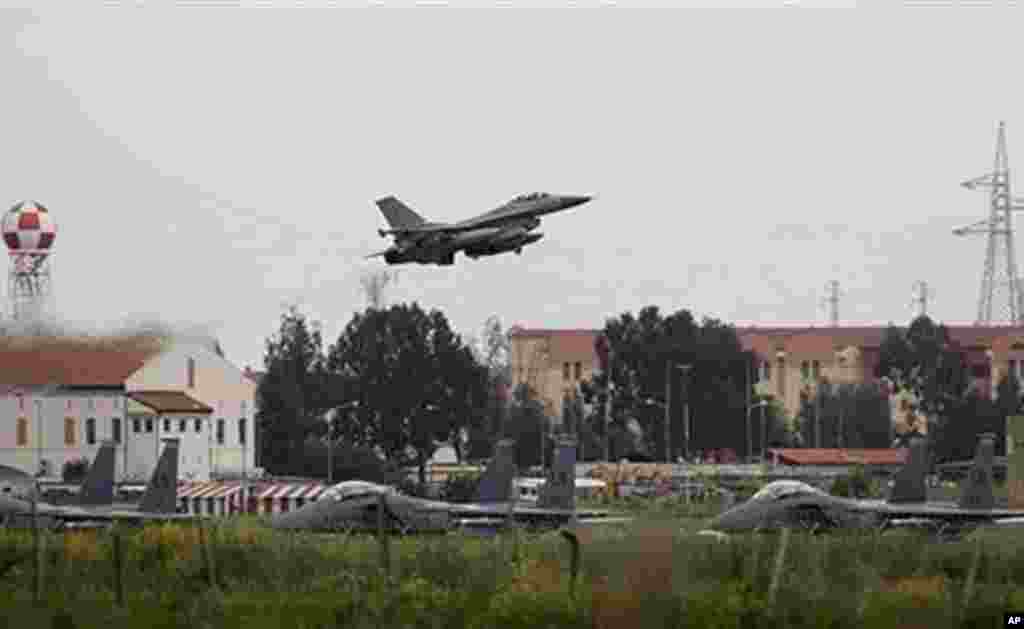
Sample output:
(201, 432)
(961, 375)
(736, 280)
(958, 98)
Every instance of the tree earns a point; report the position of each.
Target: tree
(494, 352)
(412, 380)
(292, 395)
(922, 360)
(849, 416)
(528, 426)
(648, 347)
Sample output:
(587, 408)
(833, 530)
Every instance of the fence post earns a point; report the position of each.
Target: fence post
(780, 560)
(37, 552)
(207, 554)
(972, 574)
(574, 562)
(382, 536)
(118, 568)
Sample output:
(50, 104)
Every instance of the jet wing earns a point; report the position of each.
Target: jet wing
(488, 219)
(941, 512)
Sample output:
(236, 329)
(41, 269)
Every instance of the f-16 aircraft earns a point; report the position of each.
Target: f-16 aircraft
(96, 498)
(793, 504)
(506, 228)
(354, 506)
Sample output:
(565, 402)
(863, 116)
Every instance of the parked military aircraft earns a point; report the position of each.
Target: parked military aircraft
(793, 504)
(351, 507)
(507, 228)
(96, 499)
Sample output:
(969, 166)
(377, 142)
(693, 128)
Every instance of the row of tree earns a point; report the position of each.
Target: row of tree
(399, 382)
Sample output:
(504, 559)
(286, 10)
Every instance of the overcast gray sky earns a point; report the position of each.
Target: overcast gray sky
(209, 166)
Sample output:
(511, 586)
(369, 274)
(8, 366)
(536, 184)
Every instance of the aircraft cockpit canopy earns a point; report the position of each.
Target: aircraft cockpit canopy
(352, 489)
(782, 489)
(533, 196)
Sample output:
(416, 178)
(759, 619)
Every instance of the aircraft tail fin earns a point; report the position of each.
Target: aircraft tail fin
(162, 491)
(909, 484)
(501, 471)
(98, 486)
(398, 214)
(977, 488)
(559, 490)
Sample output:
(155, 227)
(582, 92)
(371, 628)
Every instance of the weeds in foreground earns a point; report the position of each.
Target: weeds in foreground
(652, 574)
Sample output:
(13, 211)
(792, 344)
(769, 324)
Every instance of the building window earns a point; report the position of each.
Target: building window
(90, 431)
(579, 371)
(149, 425)
(191, 368)
(766, 371)
(241, 431)
(22, 431)
(92, 404)
(115, 429)
(167, 425)
(182, 425)
(69, 431)
(220, 432)
(565, 371)
(805, 370)
(815, 369)
(199, 425)
(137, 425)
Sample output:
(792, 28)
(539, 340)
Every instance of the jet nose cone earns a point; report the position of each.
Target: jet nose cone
(573, 201)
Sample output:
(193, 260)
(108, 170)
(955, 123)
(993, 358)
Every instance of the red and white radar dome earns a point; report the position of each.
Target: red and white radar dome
(28, 226)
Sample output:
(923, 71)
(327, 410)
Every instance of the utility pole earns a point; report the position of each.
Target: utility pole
(748, 378)
(1000, 268)
(817, 415)
(668, 406)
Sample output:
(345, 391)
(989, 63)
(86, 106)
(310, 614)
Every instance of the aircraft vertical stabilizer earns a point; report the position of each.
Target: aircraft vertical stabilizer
(398, 214)
(162, 491)
(501, 471)
(98, 486)
(977, 488)
(559, 491)
(909, 484)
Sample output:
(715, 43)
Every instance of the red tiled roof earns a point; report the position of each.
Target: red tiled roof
(70, 367)
(170, 402)
(838, 456)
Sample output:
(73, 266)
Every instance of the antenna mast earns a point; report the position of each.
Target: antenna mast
(920, 301)
(832, 301)
(1000, 271)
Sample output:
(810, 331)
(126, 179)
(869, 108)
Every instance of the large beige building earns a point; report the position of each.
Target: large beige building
(552, 363)
(790, 360)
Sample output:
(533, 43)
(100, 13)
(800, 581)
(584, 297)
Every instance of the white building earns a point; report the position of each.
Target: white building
(60, 398)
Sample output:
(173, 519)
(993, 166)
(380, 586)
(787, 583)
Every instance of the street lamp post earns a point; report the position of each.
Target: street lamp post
(762, 404)
(685, 369)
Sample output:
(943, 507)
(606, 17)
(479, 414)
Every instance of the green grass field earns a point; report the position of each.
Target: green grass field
(654, 573)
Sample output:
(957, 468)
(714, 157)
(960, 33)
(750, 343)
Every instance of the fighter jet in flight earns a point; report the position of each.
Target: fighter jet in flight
(506, 228)
(793, 504)
(96, 499)
(353, 506)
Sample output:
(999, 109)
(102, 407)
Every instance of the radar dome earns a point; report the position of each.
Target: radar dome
(28, 226)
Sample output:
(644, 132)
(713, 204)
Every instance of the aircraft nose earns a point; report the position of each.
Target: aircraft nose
(573, 201)
(731, 520)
